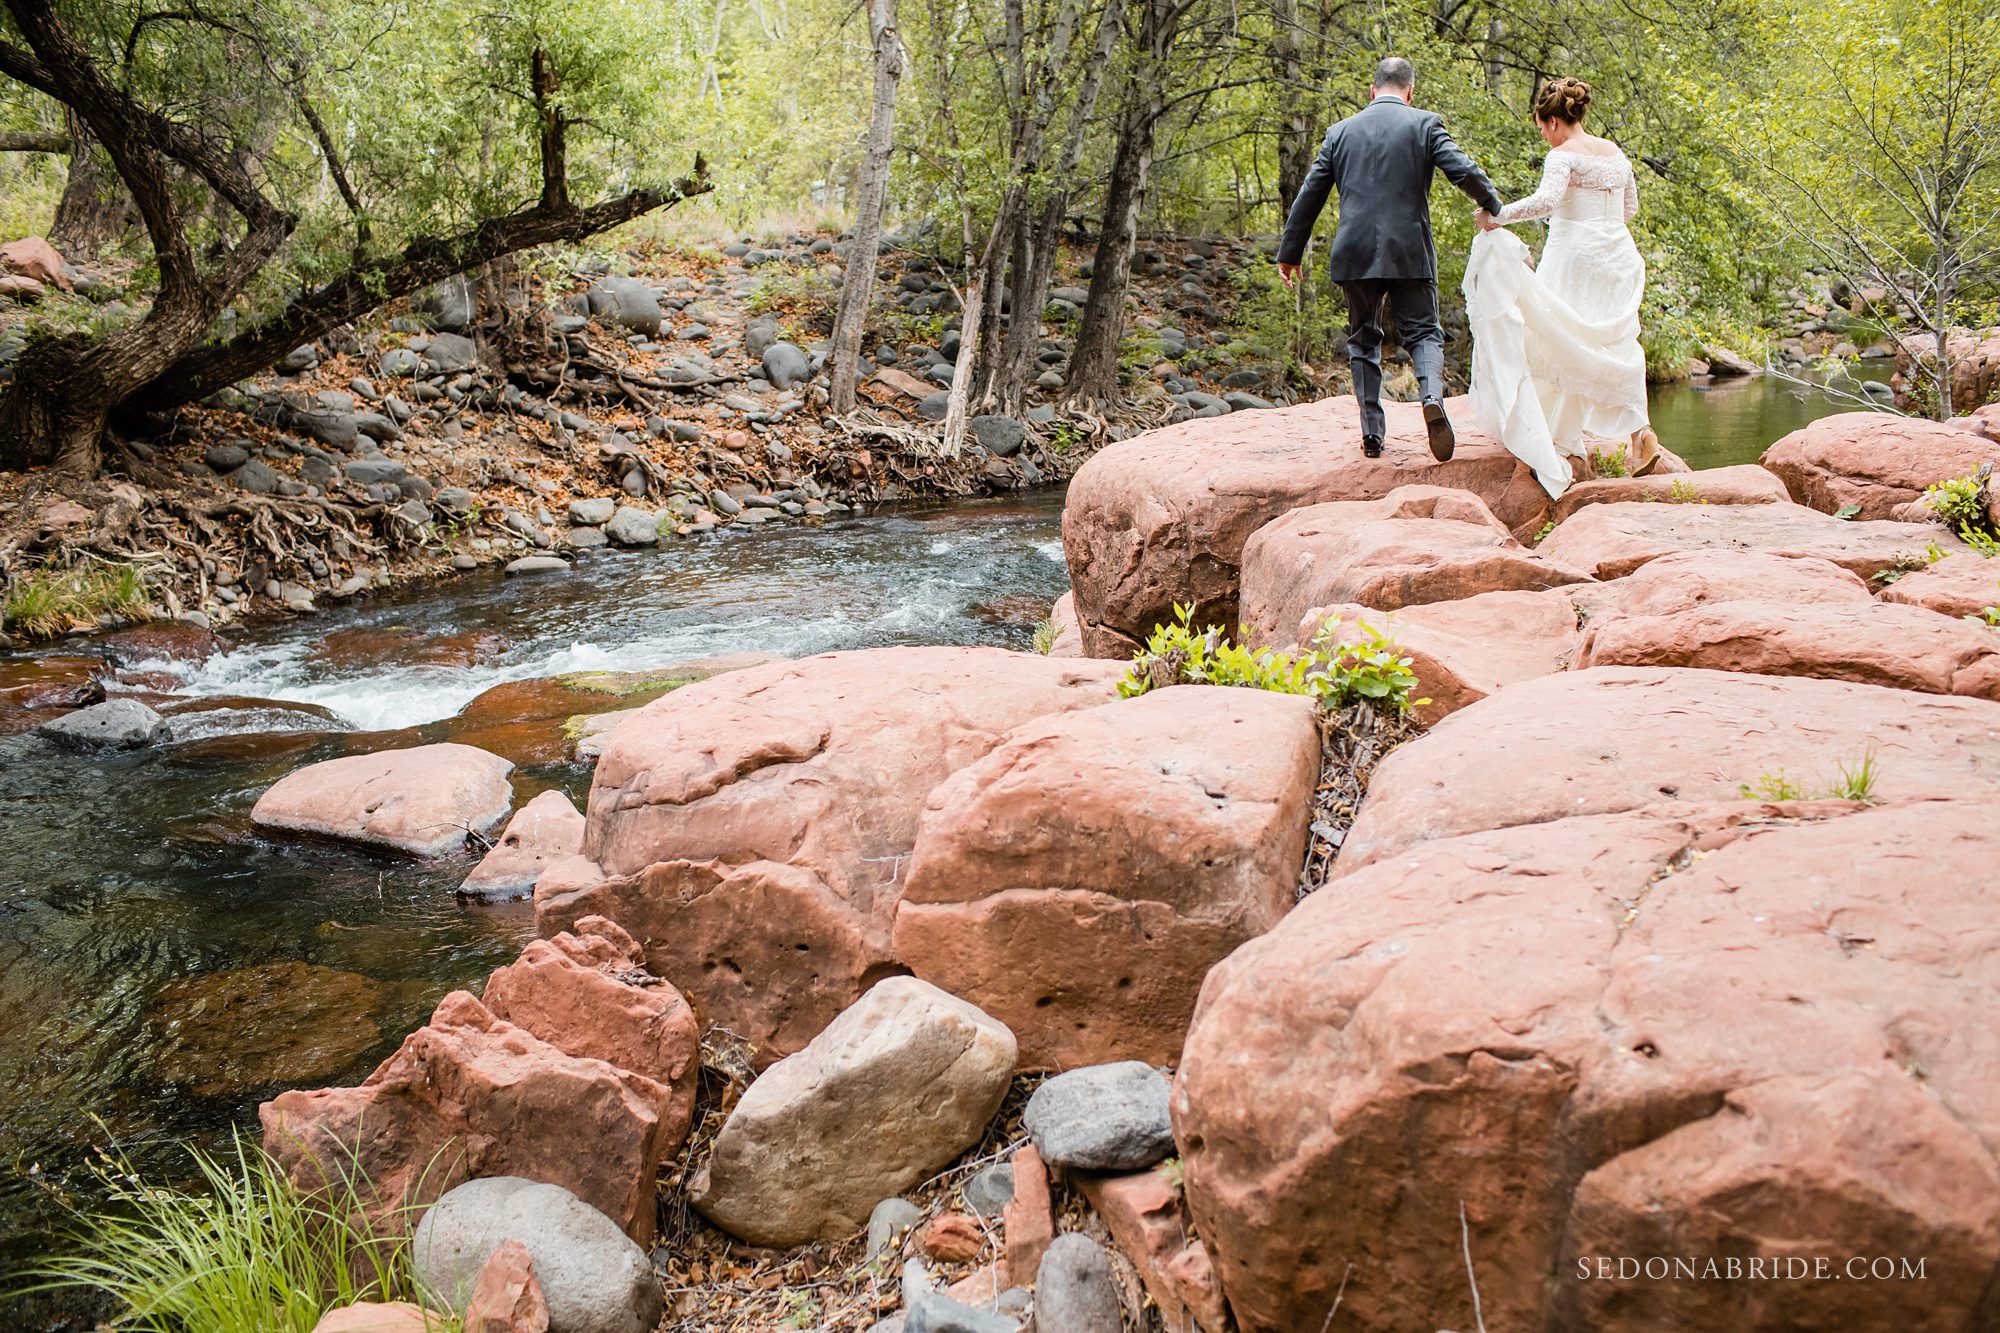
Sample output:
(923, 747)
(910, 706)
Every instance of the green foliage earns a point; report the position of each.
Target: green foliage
(1848, 512)
(1610, 462)
(1334, 673)
(1960, 503)
(798, 294)
(1542, 535)
(1045, 637)
(1856, 782)
(1981, 542)
(1685, 492)
(53, 600)
(1066, 436)
(244, 1252)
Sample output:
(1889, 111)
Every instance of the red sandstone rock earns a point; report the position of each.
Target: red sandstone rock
(507, 1298)
(1418, 544)
(1609, 541)
(1746, 484)
(1028, 1218)
(469, 1095)
(981, 1287)
(1685, 580)
(1163, 517)
(1079, 881)
(33, 258)
(379, 1317)
(1872, 459)
(165, 642)
(1975, 369)
(1737, 1032)
(953, 1238)
(755, 830)
(1622, 738)
(426, 800)
(1069, 634)
(1463, 651)
(589, 995)
(1958, 585)
(546, 829)
(405, 645)
(1143, 1213)
(39, 685)
(1875, 643)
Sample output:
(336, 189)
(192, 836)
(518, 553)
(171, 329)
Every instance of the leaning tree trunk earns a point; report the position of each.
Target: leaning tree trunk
(1093, 365)
(95, 210)
(866, 244)
(1295, 131)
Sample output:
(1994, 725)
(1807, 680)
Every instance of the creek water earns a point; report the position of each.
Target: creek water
(163, 967)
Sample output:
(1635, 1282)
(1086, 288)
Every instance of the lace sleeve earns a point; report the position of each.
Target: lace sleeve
(1555, 180)
(1631, 193)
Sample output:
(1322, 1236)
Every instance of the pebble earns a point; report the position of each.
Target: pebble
(538, 564)
(887, 1223)
(989, 1190)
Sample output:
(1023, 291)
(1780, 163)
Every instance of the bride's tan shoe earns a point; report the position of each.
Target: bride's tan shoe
(1645, 451)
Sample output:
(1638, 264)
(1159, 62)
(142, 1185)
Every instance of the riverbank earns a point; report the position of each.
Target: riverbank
(688, 396)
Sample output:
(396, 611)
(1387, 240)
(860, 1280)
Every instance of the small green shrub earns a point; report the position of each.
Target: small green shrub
(1333, 673)
(1980, 542)
(1684, 492)
(1960, 504)
(1610, 462)
(53, 600)
(1543, 535)
(1772, 787)
(1856, 783)
(1045, 637)
(245, 1252)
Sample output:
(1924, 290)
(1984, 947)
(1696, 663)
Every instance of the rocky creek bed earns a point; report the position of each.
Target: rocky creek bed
(1658, 704)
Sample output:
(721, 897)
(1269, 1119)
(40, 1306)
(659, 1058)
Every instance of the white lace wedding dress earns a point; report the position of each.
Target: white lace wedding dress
(1556, 358)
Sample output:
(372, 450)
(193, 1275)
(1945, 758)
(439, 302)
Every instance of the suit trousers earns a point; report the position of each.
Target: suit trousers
(1413, 303)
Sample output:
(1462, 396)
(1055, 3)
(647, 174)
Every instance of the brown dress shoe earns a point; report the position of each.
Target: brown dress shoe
(1439, 426)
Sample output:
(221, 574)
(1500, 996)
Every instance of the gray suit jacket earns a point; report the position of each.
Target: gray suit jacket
(1382, 159)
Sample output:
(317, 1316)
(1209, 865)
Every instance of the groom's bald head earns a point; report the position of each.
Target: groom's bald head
(1395, 75)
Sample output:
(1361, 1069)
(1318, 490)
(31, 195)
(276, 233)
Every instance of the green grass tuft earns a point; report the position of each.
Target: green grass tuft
(55, 599)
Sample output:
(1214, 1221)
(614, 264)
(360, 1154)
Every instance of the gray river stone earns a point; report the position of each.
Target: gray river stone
(1103, 1118)
(115, 724)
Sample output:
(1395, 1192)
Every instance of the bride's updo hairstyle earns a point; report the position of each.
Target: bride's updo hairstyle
(1565, 100)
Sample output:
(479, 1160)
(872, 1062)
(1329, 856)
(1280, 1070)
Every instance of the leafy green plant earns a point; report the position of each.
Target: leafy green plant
(1685, 492)
(1980, 542)
(1336, 674)
(1045, 637)
(1857, 781)
(1066, 436)
(1848, 511)
(245, 1252)
(1547, 528)
(1960, 504)
(1774, 786)
(1610, 462)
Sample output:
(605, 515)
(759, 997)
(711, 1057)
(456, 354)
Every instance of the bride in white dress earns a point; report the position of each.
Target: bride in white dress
(1556, 359)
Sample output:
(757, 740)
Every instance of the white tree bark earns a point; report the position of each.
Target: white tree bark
(858, 284)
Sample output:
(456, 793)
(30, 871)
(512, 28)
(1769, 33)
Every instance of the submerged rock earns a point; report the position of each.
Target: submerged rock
(895, 1087)
(251, 1027)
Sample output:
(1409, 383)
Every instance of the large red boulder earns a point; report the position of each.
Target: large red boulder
(1736, 1034)
(470, 1095)
(1745, 484)
(1875, 460)
(753, 832)
(589, 995)
(1078, 882)
(426, 800)
(1609, 541)
(1417, 544)
(1162, 518)
(1958, 585)
(1620, 738)
(1876, 643)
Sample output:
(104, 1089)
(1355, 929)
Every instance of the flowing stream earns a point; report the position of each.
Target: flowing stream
(163, 967)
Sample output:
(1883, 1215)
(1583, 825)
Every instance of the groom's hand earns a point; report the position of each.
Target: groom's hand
(1484, 220)
(1290, 274)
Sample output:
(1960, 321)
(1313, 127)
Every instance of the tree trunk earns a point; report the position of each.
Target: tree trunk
(1093, 365)
(51, 414)
(961, 380)
(96, 210)
(858, 284)
(1296, 142)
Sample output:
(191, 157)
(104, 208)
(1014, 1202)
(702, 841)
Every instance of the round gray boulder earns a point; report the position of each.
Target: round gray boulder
(1103, 1118)
(595, 1279)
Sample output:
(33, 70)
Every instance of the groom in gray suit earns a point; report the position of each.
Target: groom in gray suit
(1382, 159)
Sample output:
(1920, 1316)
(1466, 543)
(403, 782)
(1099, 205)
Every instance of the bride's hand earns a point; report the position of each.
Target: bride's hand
(1484, 220)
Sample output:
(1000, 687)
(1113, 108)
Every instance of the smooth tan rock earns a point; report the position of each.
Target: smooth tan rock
(753, 832)
(380, 1317)
(1875, 460)
(1740, 1032)
(1958, 585)
(1744, 484)
(1419, 544)
(546, 829)
(33, 258)
(1078, 882)
(427, 800)
(469, 1095)
(897, 1086)
(1621, 738)
(1162, 518)
(1609, 541)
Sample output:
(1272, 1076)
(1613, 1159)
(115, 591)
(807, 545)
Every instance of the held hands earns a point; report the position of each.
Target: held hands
(1484, 220)
(1290, 274)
